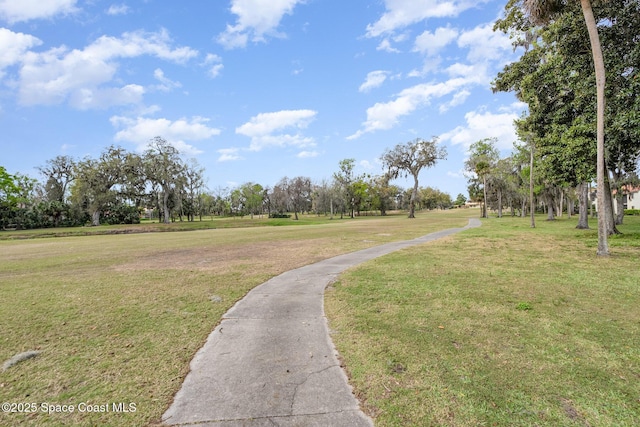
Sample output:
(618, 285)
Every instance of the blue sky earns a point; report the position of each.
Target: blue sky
(254, 90)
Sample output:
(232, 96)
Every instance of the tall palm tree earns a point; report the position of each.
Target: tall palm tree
(541, 12)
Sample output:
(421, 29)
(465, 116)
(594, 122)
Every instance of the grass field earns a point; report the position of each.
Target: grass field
(118, 316)
(503, 325)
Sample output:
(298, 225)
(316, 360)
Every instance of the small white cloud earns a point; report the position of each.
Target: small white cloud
(482, 124)
(256, 19)
(14, 11)
(383, 116)
(385, 46)
(266, 129)
(307, 154)
(141, 130)
(374, 79)
(431, 64)
(458, 99)
(229, 155)
(402, 13)
(101, 98)
(118, 9)
(366, 165)
(166, 84)
(431, 44)
(214, 62)
(485, 44)
(215, 70)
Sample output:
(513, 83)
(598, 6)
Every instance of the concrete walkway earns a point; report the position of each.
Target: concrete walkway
(270, 361)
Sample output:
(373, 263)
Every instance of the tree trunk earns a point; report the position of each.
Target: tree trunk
(598, 61)
(560, 204)
(583, 216)
(484, 201)
(95, 218)
(499, 203)
(331, 206)
(531, 201)
(165, 207)
(570, 207)
(620, 208)
(550, 216)
(414, 196)
(609, 219)
(591, 214)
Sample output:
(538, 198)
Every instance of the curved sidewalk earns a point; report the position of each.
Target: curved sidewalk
(270, 361)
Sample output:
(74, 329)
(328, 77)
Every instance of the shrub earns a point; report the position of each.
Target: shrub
(279, 215)
(122, 214)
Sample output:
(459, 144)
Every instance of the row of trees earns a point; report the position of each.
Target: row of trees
(525, 179)
(579, 78)
(113, 189)
(120, 185)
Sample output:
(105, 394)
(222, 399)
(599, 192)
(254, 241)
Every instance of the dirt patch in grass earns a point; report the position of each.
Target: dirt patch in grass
(269, 257)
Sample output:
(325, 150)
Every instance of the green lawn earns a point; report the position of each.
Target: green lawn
(118, 317)
(503, 325)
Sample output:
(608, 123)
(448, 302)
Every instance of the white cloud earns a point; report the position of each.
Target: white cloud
(118, 9)
(307, 154)
(13, 47)
(98, 98)
(383, 116)
(141, 130)
(14, 11)
(166, 84)
(486, 49)
(432, 43)
(265, 129)
(366, 164)
(458, 99)
(215, 70)
(385, 45)
(215, 63)
(483, 124)
(229, 155)
(374, 79)
(82, 77)
(255, 20)
(402, 13)
(485, 44)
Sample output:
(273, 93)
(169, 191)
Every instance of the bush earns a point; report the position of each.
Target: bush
(122, 214)
(634, 212)
(279, 215)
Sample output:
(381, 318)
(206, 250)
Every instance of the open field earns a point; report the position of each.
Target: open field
(497, 326)
(117, 318)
